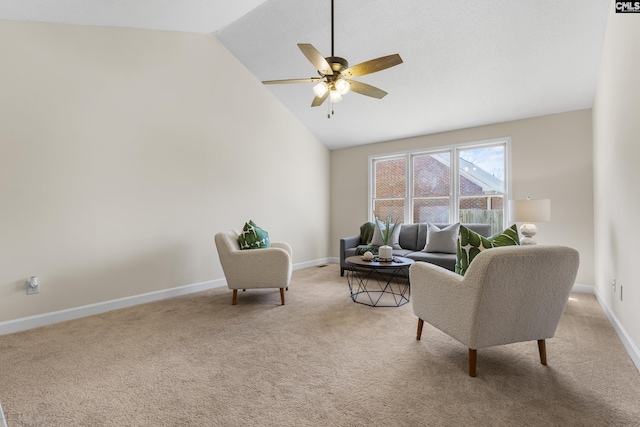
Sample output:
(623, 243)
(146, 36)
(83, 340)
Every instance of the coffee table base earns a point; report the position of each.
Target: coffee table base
(376, 289)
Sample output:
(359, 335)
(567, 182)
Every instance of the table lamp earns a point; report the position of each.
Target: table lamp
(529, 211)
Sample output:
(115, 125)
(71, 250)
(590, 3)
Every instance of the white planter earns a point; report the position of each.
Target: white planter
(385, 252)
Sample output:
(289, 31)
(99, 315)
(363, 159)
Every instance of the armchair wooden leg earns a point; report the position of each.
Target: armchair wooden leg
(472, 362)
(235, 296)
(420, 323)
(282, 295)
(542, 349)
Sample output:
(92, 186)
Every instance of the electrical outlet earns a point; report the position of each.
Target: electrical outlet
(33, 285)
(613, 285)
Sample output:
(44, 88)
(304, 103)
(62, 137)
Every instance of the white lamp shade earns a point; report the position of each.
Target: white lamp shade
(335, 96)
(530, 210)
(342, 87)
(320, 89)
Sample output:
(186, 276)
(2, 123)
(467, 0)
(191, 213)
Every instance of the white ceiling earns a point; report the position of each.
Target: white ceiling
(196, 16)
(466, 63)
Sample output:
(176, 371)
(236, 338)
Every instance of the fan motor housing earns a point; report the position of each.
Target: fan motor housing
(337, 64)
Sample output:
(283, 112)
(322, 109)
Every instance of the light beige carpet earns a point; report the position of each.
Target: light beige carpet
(320, 360)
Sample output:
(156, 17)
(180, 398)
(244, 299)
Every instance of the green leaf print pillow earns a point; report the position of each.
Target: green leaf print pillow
(470, 244)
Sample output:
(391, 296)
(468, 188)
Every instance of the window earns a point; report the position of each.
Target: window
(390, 187)
(465, 183)
(482, 186)
(431, 199)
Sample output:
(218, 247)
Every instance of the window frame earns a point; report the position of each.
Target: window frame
(454, 190)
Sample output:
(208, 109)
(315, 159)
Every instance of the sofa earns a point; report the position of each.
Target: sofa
(412, 240)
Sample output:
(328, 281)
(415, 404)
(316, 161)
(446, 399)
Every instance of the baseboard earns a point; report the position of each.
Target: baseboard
(627, 342)
(313, 263)
(22, 324)
(583, 289)
(31, 322)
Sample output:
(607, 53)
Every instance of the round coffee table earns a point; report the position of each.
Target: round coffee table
(379, 283)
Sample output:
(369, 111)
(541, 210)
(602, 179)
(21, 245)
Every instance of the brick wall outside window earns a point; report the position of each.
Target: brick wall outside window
(431, 178)
(391, 178)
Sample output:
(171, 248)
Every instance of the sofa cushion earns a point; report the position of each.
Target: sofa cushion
(418, 241)
(402, 252)
(470, 244)
(253, 237)
(442, 240)
(481, 229)
(447, 261)
(408, 238)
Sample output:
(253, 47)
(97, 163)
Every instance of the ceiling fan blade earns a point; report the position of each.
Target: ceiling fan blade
(365, 89)
(318, 100)
(316, 59)
(287, 81)
(372, 66)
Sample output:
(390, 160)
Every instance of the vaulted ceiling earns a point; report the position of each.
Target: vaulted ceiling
(466, 63)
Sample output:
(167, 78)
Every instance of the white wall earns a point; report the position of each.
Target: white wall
(616, 131)
(122, 152)
(551, 158)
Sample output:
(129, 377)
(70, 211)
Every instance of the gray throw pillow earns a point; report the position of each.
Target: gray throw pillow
(442, 240)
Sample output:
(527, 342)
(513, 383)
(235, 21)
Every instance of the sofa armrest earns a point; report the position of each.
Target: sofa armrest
(283, 245)
(347, 243)
(269, 268)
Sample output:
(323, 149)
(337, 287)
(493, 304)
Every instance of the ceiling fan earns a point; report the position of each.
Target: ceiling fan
(335, 74)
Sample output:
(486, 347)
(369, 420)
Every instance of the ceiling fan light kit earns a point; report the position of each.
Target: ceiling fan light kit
(342, 86)
(321, 88)
(335, 74)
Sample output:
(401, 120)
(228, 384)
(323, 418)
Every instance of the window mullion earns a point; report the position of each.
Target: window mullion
(454, 202)
(408, 201)
(372, 187)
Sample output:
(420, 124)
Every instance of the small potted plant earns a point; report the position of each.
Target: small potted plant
(385, 252)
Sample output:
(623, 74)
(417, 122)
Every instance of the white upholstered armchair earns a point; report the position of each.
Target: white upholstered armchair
(509, 294)
(254, 268)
